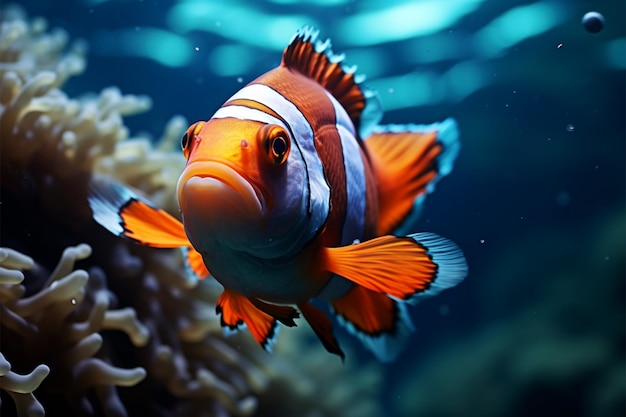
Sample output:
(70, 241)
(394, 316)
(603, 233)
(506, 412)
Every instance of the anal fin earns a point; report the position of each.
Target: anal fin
(322, 327)
(381, 323)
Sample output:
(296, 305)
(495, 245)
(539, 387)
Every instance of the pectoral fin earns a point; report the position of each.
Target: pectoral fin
(401, 267)
(194, 263)
(125, 214)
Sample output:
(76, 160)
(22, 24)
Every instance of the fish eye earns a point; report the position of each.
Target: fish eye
(276, 143)
(187, 139)
(184, 141)
(279, 146)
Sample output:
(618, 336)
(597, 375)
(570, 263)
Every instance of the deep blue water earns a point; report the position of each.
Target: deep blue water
(536, 199)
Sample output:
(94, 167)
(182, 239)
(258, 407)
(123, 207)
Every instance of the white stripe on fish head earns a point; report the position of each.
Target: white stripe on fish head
(315, 192)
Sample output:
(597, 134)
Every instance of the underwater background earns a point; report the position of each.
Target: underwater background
(536, 199)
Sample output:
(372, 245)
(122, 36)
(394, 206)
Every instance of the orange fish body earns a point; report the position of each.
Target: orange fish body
(284, 202)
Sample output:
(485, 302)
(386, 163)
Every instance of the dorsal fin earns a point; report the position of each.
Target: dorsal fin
(315, 59)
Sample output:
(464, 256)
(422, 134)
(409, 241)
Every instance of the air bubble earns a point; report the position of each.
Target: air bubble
(593, 22)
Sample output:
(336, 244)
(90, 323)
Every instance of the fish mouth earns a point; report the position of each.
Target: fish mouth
(218, 188)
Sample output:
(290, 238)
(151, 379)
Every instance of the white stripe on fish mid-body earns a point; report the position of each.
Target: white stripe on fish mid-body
(354, 224)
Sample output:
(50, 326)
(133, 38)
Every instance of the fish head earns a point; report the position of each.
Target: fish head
(243, 188)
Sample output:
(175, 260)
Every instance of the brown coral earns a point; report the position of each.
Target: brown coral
(129, 332)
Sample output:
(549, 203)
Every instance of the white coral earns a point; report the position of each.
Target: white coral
(21, 387)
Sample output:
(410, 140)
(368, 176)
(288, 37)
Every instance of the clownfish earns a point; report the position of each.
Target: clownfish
(293, 192)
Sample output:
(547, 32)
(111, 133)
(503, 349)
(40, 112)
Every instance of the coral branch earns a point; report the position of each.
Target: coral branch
(94, 371)
(10, 264)
(79, 330)
(84, 349)
(61, 290)
(68, 259)
(10, 276)
(126, 320)
(27, 405)
(112, 405)
(5, 366)
(10, 258)
(24, 384)
(13, 321)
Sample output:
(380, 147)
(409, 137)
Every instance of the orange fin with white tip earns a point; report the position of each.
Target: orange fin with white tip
(322, 327)
(381, 323)
(123, 213)
(402, 267)
(236, 310)
(408, 161)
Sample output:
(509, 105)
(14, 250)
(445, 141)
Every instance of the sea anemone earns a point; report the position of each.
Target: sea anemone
(61, 321)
